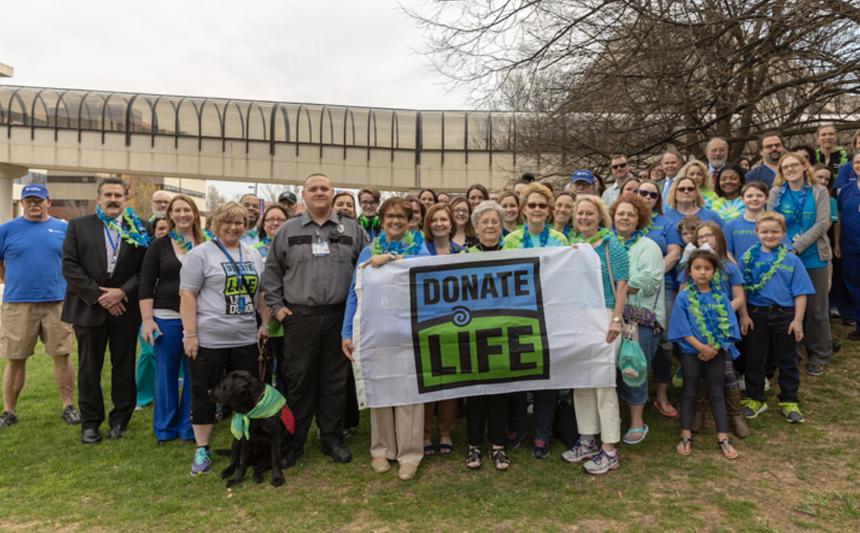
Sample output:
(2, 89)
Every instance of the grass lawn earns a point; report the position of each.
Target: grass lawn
(788, 478)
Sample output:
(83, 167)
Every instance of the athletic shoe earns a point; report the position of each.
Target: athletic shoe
(849, 321)
(71, 415)
(766, 384)
(753, 408)
(512, 441)
(791, 412)
(834, 313)
(540, 449)
(7, 419)
(742, 382)
(581, 450)
(854, 336)
(678, 379)
(814, 369)
(601, 463)
(202, 462)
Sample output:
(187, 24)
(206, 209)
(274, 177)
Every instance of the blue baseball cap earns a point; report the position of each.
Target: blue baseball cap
(34, 189)
(583, 175)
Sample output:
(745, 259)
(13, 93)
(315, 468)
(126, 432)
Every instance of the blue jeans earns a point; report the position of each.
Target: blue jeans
(770, 326)
(649, 342)
(663, 357)
(545, 406)
(170, 417)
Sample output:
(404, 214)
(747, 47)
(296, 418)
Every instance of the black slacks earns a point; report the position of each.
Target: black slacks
(317, 371)
(92, 342)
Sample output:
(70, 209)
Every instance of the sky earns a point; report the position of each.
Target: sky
(338, 52)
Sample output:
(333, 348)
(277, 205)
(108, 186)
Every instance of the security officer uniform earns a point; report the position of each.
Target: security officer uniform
(309, 270)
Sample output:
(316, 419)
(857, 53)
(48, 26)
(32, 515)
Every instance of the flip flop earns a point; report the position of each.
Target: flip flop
(725, 447)
(686, 444)
(445, 449)
(665, 409)
(643, 431)
(429, 449)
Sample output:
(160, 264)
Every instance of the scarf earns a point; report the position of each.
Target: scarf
(269, 405)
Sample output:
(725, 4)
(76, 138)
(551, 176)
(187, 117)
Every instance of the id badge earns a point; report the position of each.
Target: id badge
(321, 249)
(242, 303)
(111, 267)
(794, 239)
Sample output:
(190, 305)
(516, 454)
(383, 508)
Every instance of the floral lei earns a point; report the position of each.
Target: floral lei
(797, 216)
(579, 238)
(544, 236)
(634, 238)
(407, 246)
(135, 235)
(748, 259)
(418, 237)
(723, 325)
(180, 240)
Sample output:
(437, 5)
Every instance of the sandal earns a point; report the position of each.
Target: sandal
(473, 460)
(445, 449)
(666, 408)
(686, 446)
(728, 451)
(429, 450)
(500, 459)
(643, 431)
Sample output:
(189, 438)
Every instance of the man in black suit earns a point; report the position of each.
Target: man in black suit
(101, 266)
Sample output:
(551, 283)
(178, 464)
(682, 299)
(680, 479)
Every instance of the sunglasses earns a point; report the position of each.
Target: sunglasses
(686, 189)
(648, 194)
(616, 167)
(536, 206)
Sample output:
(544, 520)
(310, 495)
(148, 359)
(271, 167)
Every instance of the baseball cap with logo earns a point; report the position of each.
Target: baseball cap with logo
(289, 197)
(582, 175)
(35, 189)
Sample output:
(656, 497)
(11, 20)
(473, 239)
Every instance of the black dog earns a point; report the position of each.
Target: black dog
(270, 436)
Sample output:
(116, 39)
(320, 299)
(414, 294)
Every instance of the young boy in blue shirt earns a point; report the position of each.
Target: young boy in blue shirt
(777, 286)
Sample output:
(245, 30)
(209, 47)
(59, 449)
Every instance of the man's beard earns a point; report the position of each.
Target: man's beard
(159, 214)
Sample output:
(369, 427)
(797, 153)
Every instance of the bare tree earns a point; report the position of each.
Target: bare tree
(214, 198)
(271, 191)
(595, 77)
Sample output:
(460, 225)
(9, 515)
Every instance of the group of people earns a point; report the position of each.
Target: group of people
(699, 261)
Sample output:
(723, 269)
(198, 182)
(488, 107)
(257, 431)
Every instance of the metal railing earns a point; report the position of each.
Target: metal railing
(274, 123)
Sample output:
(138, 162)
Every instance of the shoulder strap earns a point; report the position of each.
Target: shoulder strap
(609, 268)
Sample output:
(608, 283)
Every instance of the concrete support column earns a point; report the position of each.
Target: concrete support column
(7, 174)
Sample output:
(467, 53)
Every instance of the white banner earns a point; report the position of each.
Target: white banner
(434, 328)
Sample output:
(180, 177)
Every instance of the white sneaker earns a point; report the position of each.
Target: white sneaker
(766, 384)
(742, 383)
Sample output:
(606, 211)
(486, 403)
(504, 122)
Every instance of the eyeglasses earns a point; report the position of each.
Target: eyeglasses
(648, 194)
(276, 220)
(238, 223)
(395, 216)
(792, 166)
(705, 236)
(367, 204)
(461, 211)
(533, 205)
(161, 202)
(621, 165)
(686, 189)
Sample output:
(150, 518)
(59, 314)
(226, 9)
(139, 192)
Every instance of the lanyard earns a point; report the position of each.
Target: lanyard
(236, 268)
(112, 245)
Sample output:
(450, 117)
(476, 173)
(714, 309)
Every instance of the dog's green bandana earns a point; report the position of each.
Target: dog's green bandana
(269, 405)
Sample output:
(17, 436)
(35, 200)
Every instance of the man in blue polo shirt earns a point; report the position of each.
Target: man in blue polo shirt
(771, 150)
(31, 249)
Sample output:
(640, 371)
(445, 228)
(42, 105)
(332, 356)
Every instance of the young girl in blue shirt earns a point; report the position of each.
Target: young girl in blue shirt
(704, 325)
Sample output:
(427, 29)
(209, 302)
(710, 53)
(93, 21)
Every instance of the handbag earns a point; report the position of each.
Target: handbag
(627, 329)
(644, 317)
(632, 362)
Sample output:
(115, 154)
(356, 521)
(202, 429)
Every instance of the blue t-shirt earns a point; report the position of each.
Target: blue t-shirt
(729, 277)
(33, 252)
(844, 176)
(798, 225)
(762, 173)
(849, 211)
(453, 248)
(664, 233)
(789, 280)
(705, 214)
(682, 324)
(740, 237)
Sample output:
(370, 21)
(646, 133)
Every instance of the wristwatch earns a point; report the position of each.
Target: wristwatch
(392, 256)
(616, 319)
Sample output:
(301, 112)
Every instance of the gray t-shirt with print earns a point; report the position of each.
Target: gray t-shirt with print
(225, 312)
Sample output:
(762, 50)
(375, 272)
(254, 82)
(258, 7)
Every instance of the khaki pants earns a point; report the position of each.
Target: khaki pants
(597, 410)
(396, 433)
(446, 417)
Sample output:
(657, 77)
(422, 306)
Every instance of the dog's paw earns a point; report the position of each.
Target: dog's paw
(258, 478)
(232, 482)
(226, 473)
(277, 481)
